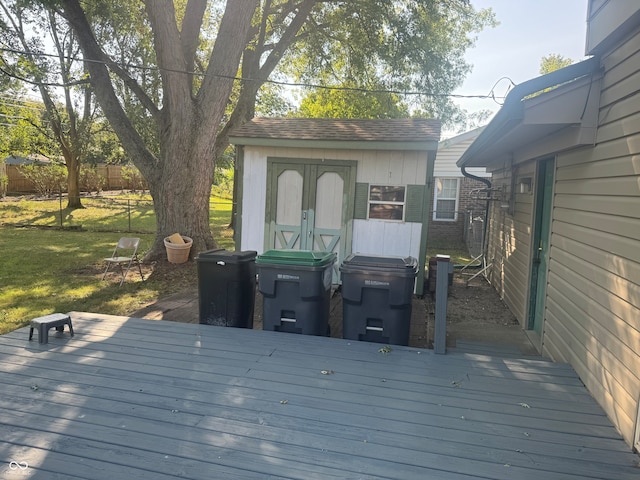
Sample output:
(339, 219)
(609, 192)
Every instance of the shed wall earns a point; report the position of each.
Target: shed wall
(593, 293)
(374, 167)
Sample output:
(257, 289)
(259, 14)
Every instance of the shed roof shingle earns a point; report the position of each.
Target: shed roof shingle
(329, 129)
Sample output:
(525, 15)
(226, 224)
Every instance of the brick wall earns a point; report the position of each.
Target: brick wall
(444, 232)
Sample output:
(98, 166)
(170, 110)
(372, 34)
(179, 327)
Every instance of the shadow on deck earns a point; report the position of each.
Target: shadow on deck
(133, 398)
(492, 338)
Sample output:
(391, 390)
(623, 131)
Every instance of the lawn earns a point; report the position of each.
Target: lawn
(458, 252)
(45, 270)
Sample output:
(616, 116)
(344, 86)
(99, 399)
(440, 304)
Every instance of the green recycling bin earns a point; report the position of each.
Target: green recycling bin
(226, 287)
(376, 298)
(296, 290)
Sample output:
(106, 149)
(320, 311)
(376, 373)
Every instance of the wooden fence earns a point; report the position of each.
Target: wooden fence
(18, 183)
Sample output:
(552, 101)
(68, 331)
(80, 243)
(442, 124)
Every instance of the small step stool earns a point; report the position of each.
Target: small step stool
(43, 324)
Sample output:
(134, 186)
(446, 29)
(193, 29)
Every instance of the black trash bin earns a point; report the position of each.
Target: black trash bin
(296, 289)
(376, 298)
(226, 287)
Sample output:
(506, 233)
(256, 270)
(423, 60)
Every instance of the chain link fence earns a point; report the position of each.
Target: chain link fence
(100, 213)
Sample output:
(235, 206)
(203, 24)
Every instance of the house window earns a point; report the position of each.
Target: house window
(446, 199)
(386, 202)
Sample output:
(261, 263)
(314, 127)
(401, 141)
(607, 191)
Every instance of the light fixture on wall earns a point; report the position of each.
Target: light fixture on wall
(524, 186)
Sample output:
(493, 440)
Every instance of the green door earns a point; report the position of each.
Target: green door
(541, 237)
(310, 206)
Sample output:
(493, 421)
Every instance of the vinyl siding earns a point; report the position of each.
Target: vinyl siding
(509, 243)
(446, 232)
(593, 293)
(450, 151)
(608, 20)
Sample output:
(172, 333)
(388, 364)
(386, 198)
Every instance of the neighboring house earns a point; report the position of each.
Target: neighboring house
(338, 185)
(564, 235)
(30, 160)
(455, 200)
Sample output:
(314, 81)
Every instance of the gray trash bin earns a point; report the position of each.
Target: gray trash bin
(226, 287)
(296, 289)
(376, 298)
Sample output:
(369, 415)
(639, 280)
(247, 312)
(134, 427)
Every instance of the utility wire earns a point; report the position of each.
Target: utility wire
(493, 97)
(490, 95)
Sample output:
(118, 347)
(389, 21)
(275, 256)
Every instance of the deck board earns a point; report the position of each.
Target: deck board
(132, 398)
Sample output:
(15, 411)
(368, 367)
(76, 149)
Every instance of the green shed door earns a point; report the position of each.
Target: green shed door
(310, 207)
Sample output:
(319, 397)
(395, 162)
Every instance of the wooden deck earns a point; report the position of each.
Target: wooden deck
(143, 399)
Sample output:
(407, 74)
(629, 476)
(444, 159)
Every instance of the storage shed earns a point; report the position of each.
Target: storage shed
(336, 185)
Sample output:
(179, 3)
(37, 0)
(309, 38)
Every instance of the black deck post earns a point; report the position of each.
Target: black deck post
(442, 284)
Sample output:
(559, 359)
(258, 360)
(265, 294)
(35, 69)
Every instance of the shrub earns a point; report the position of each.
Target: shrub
(90, 179)
(223, 179)
(133, 179)
(4, 182)
(47, 179)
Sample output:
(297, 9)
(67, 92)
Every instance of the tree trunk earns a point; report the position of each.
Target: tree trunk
(73, 181)
(180, 179)
(181, 197)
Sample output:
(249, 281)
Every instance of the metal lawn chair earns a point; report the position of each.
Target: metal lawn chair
(125, 254)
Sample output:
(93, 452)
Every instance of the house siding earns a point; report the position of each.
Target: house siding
(593, 292)
(450, 151)
(509, 242)
(606, 20)
(443, 232)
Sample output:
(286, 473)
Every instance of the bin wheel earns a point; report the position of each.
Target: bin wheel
(328, 330)
(60, 328)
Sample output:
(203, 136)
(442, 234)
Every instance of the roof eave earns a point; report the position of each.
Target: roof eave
(429, 145)
(512, 112)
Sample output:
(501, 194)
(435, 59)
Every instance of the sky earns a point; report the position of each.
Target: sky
(528, 31)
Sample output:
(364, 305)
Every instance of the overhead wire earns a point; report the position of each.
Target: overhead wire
(490, 95)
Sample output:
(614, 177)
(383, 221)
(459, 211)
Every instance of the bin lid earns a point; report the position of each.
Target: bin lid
(226, 256)
(392, 263)
(307, 258)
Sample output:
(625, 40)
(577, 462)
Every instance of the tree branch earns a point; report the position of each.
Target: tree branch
(190, 30)
(101, 81)
(134, 86)
(225, 57)
(169, 53)
(287, 38)
(245, 106)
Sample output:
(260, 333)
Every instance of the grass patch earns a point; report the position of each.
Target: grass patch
(115, 213)
(48, 270)
(458, 252)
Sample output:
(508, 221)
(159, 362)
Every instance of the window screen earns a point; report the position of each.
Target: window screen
(386, 202)
(446, 199)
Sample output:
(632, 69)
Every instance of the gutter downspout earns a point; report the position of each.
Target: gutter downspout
(473, 177)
